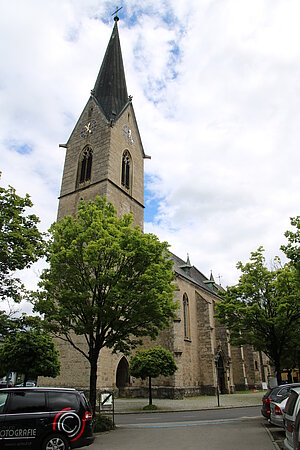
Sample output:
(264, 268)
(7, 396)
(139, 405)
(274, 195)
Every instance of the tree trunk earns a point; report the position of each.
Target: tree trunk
(93, 382)
(278, 372)
(150, 392)
(25, 379)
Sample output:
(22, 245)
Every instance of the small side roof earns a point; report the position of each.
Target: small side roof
(185, 270)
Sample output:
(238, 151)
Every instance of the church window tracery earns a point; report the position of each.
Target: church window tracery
(126, 168)
(85, 166)
(186, 317)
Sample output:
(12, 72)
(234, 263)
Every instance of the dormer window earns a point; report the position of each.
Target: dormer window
(85, 166)
(126, 166)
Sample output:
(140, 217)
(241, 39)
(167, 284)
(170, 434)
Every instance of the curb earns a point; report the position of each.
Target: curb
(209, 408)
(272, 439)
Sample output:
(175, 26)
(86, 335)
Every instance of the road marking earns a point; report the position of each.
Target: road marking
(195, 423)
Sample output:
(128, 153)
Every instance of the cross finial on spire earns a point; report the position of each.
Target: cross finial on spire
(116, 18)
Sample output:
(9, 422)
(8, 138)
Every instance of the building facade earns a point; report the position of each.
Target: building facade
(105, 156)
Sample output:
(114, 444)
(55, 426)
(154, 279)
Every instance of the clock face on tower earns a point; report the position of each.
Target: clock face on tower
(128, 135)
(88, 129)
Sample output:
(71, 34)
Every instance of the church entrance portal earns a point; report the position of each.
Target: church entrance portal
(122, 374)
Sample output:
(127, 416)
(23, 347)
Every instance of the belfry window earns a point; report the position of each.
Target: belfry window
(126, 163)
(186, 317)
(85, 167)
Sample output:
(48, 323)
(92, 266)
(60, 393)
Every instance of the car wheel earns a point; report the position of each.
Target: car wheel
(55, 442)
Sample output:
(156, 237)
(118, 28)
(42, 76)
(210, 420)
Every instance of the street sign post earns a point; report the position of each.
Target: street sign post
(107, 403)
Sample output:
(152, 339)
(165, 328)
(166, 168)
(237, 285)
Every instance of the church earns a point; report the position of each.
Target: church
(105, 156)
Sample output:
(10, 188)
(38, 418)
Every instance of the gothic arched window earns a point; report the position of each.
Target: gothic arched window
(186, 317)
(126, 166)
(85, 165)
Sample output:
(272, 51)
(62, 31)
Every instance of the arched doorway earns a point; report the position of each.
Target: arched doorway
(221, 375)
(122, 378)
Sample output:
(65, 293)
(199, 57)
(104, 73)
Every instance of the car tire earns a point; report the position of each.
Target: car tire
(55, 441)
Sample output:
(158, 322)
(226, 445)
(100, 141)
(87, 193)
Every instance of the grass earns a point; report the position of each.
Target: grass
(250, 391)
(150, 408)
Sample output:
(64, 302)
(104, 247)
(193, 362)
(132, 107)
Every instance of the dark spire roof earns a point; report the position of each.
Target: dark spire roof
(110, 88)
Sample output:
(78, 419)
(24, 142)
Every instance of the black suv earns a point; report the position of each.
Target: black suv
(275, 394)
(44, 419)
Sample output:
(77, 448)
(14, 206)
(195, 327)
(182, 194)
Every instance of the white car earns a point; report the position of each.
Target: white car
(291, 426)
(28, 384)
(276, 412)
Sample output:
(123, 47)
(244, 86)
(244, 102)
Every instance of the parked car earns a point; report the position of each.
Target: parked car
(289, 418)
(275, 394)
(296, 434)
(44, 418)
(5, 384)
(276, 412)
(28, 384)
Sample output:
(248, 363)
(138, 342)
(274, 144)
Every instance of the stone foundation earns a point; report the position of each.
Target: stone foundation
(166, 392)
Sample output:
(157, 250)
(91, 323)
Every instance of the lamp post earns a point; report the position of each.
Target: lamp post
(217, 377)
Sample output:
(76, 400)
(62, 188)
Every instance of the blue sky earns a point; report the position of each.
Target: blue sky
(215, 90)
(151, 202)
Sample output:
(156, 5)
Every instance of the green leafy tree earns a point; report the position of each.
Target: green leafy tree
(5, 324)
(107, 281)
(292, 249)
(21, 243)
(30, 352)
(263, 309)
(151, 363)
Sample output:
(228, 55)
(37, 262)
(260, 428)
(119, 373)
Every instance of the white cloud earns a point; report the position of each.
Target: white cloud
(215, 89)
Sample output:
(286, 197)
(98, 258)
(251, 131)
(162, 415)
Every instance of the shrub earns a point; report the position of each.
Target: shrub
(150, 408)
(102, 423)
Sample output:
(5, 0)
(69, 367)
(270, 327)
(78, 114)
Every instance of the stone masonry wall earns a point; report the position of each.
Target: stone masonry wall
(108, 144)
(206, 342)
(99, 140)
(237, 368)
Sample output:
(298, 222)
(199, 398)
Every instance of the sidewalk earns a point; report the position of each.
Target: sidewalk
(249, 398)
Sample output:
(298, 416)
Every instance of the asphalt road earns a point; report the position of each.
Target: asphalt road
(278, 435)
(224, 429)
(188, 416)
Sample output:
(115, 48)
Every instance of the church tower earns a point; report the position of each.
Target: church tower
(105, 155)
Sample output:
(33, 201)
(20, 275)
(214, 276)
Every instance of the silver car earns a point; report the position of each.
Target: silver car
(276, 412)
(291, 425)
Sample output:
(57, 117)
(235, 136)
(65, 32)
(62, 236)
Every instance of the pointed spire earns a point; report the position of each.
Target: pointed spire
(188, 262)
(110, 88)
(211, 282)
(187, 266)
